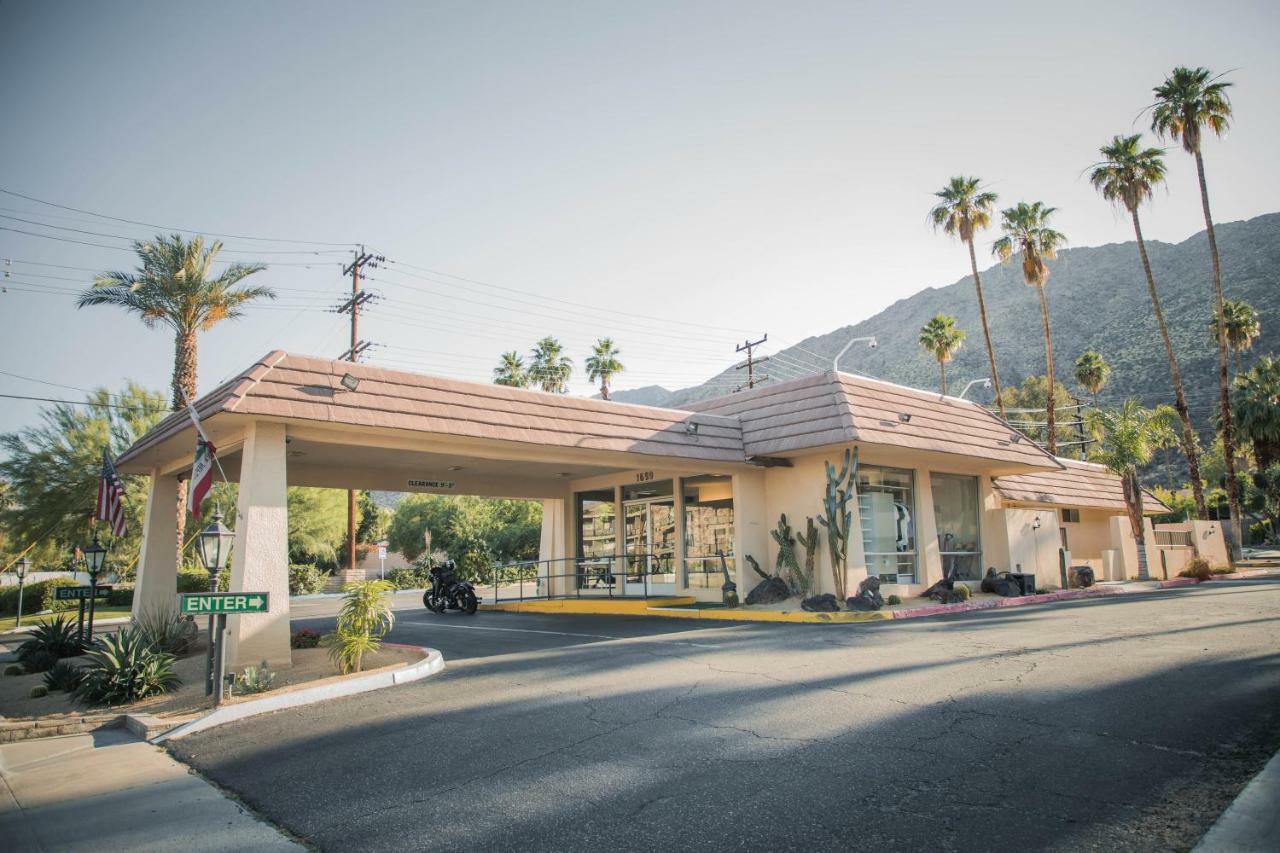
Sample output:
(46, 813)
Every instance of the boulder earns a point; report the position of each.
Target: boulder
(868, 597)
(1082, 576)
(825, 603)
(771, 590)
(940, 591)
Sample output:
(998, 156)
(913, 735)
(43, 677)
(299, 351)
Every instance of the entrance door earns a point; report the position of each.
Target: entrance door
(650, 546)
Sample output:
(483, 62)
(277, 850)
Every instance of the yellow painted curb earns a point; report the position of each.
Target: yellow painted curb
(801, 616)
(601, 606)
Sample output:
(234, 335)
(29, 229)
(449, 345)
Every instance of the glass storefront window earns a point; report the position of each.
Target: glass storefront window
(887, 506)
(956, 514)
(708, 529)
(597, 537)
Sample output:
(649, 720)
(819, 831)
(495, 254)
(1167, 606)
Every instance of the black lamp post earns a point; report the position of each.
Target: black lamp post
(95, 557)
(215, 544)
(22, 567)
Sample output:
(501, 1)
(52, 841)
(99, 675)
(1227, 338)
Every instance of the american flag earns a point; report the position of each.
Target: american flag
(111, 497)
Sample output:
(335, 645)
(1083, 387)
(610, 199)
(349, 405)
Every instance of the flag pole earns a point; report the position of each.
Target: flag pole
(195, 419)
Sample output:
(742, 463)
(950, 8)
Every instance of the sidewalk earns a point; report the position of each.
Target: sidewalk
(1251, 824)
(108, 791)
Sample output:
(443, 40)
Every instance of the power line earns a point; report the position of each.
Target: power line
(168, 227)
(748, 346)
(142, 409)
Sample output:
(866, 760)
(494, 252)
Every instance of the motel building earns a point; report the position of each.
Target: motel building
(645, 501)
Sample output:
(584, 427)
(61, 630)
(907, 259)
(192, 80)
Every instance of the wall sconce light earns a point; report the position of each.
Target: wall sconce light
(349, 382)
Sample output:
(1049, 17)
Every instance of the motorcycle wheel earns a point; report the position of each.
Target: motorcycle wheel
(469, 602)
(435, 605)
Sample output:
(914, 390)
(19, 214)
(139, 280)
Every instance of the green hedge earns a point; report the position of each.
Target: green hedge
(306, 579)
(35, 597)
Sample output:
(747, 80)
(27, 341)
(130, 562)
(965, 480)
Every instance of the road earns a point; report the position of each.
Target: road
(1112, 724)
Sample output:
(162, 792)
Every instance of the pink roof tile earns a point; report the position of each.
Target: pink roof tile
(1077, 484)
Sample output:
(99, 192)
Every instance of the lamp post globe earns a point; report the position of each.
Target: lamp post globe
(95, 557)
(215, 545)
(21, 568)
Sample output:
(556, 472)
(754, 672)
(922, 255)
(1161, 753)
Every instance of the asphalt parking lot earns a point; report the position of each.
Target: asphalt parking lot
(1117, 724)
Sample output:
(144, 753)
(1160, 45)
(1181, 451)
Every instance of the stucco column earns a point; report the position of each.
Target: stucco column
(928, 551)
(552, 547)
(260, 560)
(750, 528)
(157, 585)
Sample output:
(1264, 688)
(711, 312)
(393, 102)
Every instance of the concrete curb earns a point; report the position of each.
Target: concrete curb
(1252, 822)
(97, 623)
(428, 666)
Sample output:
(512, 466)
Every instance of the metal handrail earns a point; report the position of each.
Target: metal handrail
(607, 573)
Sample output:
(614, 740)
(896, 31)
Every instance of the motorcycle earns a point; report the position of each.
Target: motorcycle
(449, 593)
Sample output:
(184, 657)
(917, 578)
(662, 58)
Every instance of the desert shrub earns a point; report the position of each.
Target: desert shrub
(194, 580)
(365, 618)
(1198, 568)
(166, 630)
(893, 599)
(121, 595)
(63, 676)
(49, 641)
(306, 579)
(304, 639)
(14, 669)
(123, 668)
(408, 579)
(38, 691)
(254, 679)
(961, 592)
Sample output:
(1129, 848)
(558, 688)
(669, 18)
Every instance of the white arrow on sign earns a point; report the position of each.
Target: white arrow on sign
(256, 601)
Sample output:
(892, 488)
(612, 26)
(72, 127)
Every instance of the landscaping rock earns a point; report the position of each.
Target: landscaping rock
(940, 591)
(868, 597)
(825, 603)
(771, 590)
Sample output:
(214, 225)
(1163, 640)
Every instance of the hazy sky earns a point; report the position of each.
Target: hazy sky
(676, 175)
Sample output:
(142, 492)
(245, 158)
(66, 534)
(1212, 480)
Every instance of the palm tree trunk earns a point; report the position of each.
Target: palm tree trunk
(943, 366)
(986, 331)
(604, 389)
(1224, 386)
(1133, 503)
(1051, 442)
(184, 380)
(1189, 447)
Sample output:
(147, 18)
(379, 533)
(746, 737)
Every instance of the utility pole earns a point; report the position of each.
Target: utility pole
(358, 297)
(750, 364)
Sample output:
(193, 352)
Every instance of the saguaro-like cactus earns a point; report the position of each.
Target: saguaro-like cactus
(787, 568)
(839, 518)
(809, 542)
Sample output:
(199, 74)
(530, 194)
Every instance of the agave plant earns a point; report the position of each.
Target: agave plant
(166, 630)
(124, 668)
(49, 642)
(63, 676)
(255, 679)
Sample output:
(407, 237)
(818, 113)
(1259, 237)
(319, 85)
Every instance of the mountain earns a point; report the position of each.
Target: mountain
(649, 395)
(1097, 300)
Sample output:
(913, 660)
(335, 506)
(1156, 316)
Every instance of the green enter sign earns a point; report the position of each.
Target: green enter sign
(224, 602)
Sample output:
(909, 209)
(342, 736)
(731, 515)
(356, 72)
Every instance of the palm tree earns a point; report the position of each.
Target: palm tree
(603, 364)
(1092, 373)
(1127, 438)
(1188, 102)
(962, 211)
(1256, 410)
(550, 367)
(1242, 327)
(1126, 176)
(175, 287)
(941, 339)
(1027, 233)
(510, 371)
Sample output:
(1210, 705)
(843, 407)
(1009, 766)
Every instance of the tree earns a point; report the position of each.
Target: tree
(1033, 396)
(1027, 234)
(1092, 373)
(1256, 410)
(603, 364)
(1127, 438)
(962, 211)
(509, 530)
(317, 524)
(941, 339)
(374, 520)
(551, 368)
(511, 371)
(1187, 103)
(1242, 328)
(1126, 177)
(175, 287)
(52, 472)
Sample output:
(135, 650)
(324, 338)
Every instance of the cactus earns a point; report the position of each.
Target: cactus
(809, 542)
(839, 518)
(787, 568)
(755, 566)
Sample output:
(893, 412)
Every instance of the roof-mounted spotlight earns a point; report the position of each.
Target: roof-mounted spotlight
(349, 382)
(905, 417)
(1015, 437)
(691, 428)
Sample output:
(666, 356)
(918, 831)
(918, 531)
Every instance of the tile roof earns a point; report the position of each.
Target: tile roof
(1078, 484)
(287, 386)
(840, 408)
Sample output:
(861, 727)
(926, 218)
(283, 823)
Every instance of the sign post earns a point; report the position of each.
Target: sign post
(81, 594)
(382, 558)
(220, 604)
